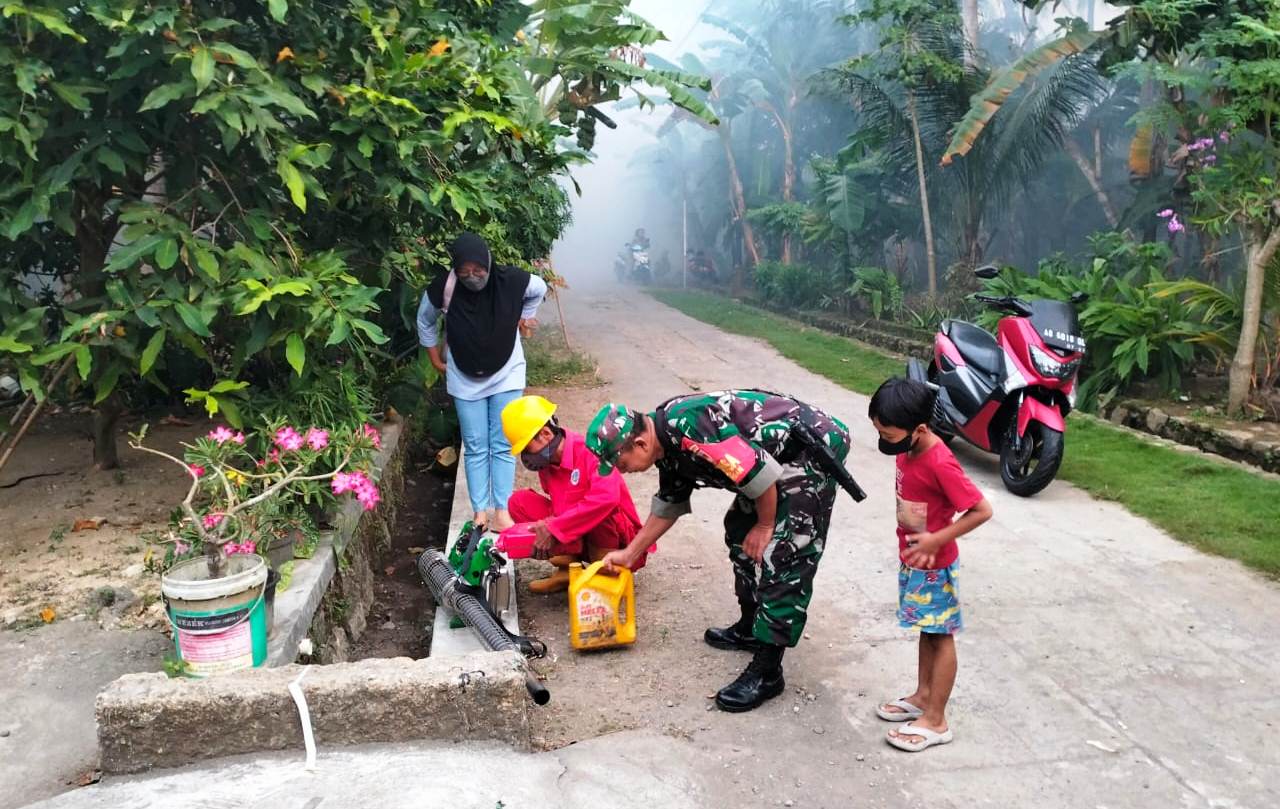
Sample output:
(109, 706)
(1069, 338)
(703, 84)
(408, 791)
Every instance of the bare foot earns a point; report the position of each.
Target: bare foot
(481, 519)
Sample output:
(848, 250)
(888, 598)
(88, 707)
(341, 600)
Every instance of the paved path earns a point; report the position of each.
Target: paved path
(1104, 665)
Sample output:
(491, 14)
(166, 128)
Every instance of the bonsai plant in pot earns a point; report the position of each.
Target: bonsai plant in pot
(248, 493)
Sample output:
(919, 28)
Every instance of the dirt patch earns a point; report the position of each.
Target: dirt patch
(45, 563)
(401, 617)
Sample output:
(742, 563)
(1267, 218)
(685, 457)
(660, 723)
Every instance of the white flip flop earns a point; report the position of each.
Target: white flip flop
(928, 738)
(906, 711)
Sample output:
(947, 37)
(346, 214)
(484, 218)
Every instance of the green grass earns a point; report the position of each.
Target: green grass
(550, 364)
(1214, 506)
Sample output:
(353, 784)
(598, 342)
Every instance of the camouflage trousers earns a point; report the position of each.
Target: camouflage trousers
(778, 590)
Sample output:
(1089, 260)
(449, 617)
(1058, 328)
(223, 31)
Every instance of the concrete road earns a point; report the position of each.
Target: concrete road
(1104, 664)
(50, 679)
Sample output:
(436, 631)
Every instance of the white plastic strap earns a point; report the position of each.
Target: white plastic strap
(308, 737)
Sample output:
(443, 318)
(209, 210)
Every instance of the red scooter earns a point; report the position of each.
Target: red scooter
(1009, 394)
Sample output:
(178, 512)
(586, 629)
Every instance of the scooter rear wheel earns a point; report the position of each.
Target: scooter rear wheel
(1029, 464)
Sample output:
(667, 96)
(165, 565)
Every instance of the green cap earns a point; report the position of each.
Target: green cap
(608, 433)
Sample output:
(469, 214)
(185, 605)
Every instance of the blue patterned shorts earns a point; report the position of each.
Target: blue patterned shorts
(928, 600)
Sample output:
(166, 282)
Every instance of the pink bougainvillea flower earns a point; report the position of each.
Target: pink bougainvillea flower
(1166, 213)
(288, 439)
(1175, 226)
(196, 469)
(222, 435)
(317, 439)
(371, 433)
(212, 520)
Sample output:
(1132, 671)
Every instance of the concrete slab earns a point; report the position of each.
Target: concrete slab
(643, 770)
(149, 720)
(295, 607)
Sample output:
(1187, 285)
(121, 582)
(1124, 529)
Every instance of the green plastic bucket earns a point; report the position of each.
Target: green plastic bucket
(219, 625)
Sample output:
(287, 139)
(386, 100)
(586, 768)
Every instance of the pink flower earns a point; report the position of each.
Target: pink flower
(238, 438)
(317, 439)
(243, 547)
(371, 433)
(180, 547)
(1166, 213)
(1209, 160)
(1175, 226)
(196, 469)
(1224, 136)
(222, 435)
(342, 483)
(212, 520)
(288, 439)
(368, 496)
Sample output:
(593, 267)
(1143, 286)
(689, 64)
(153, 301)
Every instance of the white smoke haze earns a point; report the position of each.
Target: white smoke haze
(622, 191)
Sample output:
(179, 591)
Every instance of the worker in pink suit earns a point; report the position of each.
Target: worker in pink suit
(583, 515)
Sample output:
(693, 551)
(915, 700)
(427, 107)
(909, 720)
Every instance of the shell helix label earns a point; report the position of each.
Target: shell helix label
(596, 620)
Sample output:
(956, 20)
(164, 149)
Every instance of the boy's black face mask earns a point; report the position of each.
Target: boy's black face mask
(898, 447)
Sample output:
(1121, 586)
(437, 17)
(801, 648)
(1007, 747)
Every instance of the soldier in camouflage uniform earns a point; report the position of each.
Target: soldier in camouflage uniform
(745, 441)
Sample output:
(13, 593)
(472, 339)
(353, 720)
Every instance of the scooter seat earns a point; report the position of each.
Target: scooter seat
(976, 345)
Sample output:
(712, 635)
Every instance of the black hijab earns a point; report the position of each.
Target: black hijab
(481, 327)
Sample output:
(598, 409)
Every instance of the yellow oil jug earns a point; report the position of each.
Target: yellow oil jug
(601, 607)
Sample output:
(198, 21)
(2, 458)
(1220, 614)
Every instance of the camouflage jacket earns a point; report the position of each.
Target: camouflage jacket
(732, 439)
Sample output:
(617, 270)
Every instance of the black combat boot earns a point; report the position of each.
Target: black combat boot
(735, 638)
(762, 680)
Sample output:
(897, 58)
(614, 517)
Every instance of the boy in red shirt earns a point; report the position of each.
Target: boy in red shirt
(932, 489)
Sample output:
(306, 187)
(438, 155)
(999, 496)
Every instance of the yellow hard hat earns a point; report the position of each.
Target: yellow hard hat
(523, 418)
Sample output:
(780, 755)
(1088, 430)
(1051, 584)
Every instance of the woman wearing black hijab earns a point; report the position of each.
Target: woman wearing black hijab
(486, 308)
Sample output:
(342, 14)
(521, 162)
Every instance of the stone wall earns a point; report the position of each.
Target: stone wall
(1237, 444)
(360, 538)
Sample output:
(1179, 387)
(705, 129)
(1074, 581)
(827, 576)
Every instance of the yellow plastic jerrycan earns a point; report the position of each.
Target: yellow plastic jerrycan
(601, 607)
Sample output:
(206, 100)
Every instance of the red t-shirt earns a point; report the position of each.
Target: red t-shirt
(932, 489)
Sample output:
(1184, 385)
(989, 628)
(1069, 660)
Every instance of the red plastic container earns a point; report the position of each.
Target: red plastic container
(517, 541)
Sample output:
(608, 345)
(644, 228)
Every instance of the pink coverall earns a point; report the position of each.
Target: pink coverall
(582, 504)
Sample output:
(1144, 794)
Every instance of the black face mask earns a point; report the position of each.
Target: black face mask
(898, 447)
(537, 461)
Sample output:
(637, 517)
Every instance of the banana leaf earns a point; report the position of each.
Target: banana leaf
(985, 104)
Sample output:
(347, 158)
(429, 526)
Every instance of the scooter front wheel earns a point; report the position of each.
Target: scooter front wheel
(1029, 463)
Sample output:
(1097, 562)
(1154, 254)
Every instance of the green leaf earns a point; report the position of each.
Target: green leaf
(232, 413)
(84, 361)
(365, 145)
(293, 180)
(166, 254)
(150, 353)
(192, 318)
(228, 385)
(985, 104)
(164, 94)
(372, 330)
(278, 9)
(341, 330)
(23, 219)
(295, 351)
(208, 263)
(13, 346)
(202, 67)
(107, 382)
(71, 95)
(111, 159)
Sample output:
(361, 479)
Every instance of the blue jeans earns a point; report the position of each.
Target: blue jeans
(486, 453)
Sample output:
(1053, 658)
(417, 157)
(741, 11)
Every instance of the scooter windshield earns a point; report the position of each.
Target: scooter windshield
(1057, 324)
